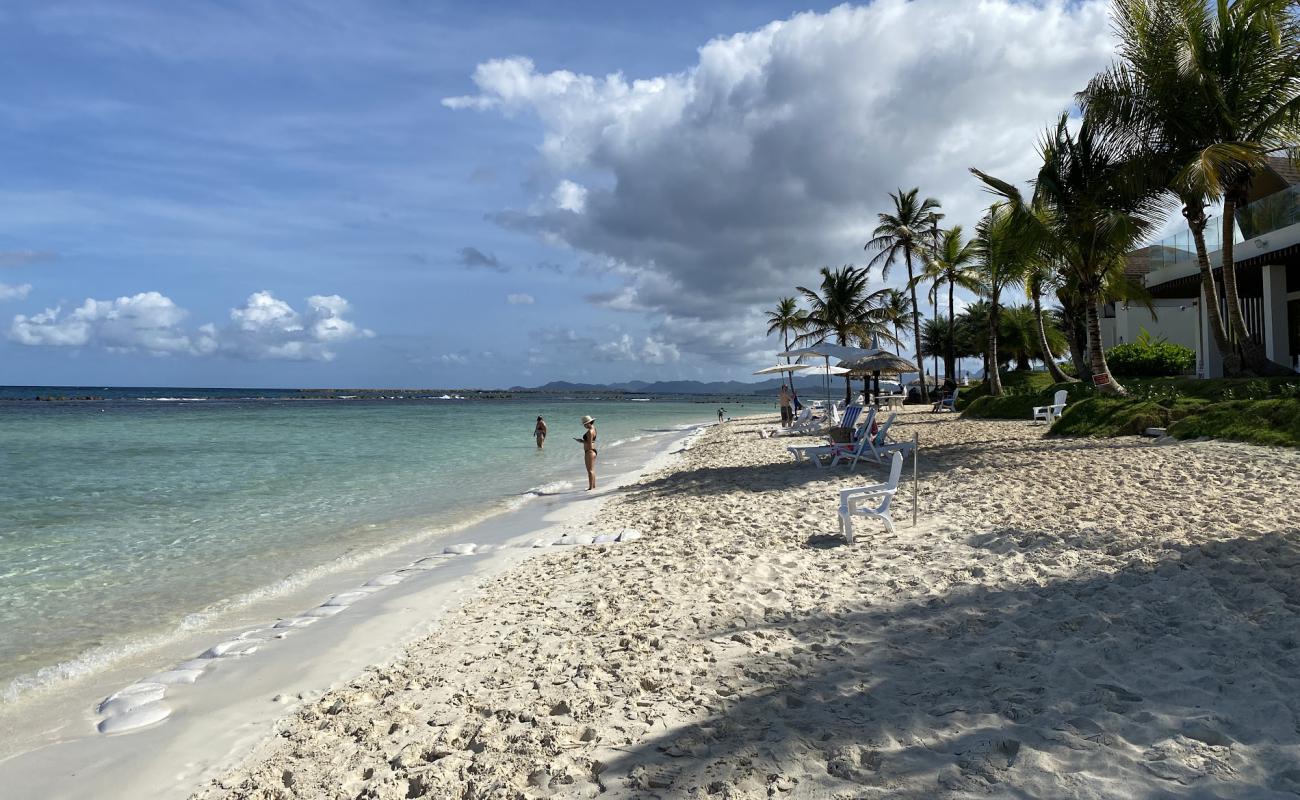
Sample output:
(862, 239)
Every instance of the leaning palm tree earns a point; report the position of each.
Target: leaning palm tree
(839, 308)
(1208, 89)
(904, 233)
(786, 317)
(1092, 203)
(1001, 254)
(1042, 276)
(953, 265)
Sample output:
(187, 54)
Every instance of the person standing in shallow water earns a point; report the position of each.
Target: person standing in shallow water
(588, 441)
(539, 432)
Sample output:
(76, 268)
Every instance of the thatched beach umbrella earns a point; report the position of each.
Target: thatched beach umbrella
(876, 363)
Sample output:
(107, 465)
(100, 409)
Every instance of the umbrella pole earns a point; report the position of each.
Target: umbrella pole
(916, 445)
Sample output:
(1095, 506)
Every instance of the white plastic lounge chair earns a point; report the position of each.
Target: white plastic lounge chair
(879, 445)
(854, 502)
(1051, 413)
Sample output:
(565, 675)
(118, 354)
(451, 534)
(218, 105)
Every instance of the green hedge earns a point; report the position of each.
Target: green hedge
(1152, 358)
(1275, 422)
(1256, 410)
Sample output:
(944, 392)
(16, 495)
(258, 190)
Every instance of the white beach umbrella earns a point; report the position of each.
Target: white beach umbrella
(822, 369)
(783, 368)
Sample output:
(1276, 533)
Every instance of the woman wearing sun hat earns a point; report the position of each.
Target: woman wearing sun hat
(588, 441)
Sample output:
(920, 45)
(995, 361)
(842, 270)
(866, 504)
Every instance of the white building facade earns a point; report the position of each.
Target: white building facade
(1267, 255)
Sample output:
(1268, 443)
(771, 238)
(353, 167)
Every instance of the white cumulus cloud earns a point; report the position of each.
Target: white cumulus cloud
(716, 189)
(150, 322)
(520, 299)
(626, 348)
(570, 196)
(147, 322)
(14, 292)
(267, 327)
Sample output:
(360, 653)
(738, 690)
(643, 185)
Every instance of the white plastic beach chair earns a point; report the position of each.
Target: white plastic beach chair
(880, 445)
(1053, 412)
(805, 424)
(854, 502)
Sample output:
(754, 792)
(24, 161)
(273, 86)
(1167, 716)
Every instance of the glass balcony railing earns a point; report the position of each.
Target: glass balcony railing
(1270, 213)
(1265, 215)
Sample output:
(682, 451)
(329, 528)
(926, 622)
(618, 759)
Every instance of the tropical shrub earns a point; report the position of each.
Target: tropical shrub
(1150, 358)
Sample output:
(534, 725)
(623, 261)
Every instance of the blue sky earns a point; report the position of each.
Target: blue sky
(433, 194)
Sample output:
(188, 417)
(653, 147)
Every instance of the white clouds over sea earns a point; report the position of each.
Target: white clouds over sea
(149, 322)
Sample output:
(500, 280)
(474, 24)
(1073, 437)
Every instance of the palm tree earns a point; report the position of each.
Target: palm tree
(953, 265)
(786, 317)
(1042, 275)
(1020, 339)
(896, 311)
(902, 233)
(1208, 89)
(1002, 255)
(841, 308)
(1092, 203)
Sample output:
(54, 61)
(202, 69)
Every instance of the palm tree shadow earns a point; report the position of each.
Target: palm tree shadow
(981, 689)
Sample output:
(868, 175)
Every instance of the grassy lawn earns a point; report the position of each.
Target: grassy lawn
(1259, 411)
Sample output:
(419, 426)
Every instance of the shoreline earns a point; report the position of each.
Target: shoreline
(226, 708)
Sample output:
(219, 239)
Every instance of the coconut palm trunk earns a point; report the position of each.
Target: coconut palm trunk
(916, 325)
(1101, 377)
(950, 363)
(992, 375)
(1196, 222)
(1040, 329)
(1253, 358)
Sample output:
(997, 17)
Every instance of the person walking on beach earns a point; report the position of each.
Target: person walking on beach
(721, 411)
(539, 432)
(783, 397)
(588, 441)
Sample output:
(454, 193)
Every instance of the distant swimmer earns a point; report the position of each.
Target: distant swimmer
(588, 442)
(539, 432)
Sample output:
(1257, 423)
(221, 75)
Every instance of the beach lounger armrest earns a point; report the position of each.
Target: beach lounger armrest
(873, 490)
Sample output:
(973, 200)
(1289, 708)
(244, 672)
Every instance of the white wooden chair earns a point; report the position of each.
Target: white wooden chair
(870, 501)
(1051, 413)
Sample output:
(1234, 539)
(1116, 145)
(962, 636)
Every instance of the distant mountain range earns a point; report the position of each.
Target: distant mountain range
(767, 387)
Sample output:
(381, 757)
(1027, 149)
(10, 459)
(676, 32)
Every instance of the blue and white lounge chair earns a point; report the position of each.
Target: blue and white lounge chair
(948, 403)
(870, 501)
(814, 453)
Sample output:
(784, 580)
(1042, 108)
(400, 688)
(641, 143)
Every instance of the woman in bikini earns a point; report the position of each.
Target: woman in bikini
(588, 441)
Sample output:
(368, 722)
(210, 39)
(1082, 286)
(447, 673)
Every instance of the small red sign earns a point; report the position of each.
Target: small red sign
(1101, 380)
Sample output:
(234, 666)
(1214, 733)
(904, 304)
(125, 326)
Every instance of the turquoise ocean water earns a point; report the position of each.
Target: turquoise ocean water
(126, 521)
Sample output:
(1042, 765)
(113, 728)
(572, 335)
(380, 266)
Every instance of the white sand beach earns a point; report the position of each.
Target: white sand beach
(1072, 618)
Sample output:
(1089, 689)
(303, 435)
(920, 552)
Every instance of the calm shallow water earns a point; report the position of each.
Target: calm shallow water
(122, 523)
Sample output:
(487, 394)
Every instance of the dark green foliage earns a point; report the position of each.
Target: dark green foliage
(1258, 410)
(1148, 357)
(1110, 416)
(1015, 383)
(1275, 422)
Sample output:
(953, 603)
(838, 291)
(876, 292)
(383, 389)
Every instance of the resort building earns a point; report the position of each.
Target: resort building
(1267, 255)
